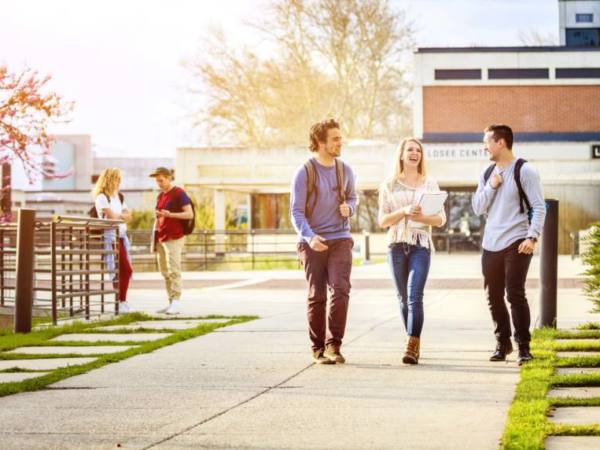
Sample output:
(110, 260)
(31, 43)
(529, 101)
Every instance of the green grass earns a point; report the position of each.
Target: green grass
(528, 426)
(40, 338)
(589, 326)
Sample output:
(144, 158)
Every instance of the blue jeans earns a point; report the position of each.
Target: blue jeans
(410, 267)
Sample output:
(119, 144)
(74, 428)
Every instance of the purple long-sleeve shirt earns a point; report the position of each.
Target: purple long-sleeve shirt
(326, 220)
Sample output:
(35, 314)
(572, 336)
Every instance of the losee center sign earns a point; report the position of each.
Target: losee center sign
(455, 152)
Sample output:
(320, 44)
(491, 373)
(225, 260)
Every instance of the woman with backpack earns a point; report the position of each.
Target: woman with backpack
(110, 204)
(409, 236)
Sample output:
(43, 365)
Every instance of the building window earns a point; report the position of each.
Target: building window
(584, 18)
(583, 37)
(501, 74)
(575, 72)
(458, 74)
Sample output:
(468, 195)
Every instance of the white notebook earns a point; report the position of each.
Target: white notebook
(432, 202)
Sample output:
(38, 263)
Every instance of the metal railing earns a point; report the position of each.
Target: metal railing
(73, 267)
(8, 262)
(207, 249)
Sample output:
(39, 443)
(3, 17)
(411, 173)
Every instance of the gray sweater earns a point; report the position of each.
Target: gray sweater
(326, 220)
(505, 222)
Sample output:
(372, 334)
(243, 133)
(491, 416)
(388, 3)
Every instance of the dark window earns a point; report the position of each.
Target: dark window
(498, 74)
(271, 211)
(583, 37)
(584, 18)
(458, 74)
(583, 72)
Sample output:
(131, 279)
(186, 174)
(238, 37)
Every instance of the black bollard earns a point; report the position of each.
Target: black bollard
(25, 261)
(549, 266)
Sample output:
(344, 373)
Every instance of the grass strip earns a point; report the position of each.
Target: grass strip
(19, 370)
(579, 361)
(10, 341)
(589, 326)
(582, 334)
(102, 360)
(528, 425)
(566, 402)
(576, 430)
(575, 346)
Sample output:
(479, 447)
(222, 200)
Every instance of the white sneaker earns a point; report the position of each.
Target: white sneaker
(124, 308)
(164, 310)
(173, 308)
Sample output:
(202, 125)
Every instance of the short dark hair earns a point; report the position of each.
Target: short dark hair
(501, 132)
(318, 133)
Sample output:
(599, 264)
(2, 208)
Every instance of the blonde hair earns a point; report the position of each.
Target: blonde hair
(398, 164)
(108, 182)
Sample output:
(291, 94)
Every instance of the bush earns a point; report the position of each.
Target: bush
(592, 259)
(141, 220)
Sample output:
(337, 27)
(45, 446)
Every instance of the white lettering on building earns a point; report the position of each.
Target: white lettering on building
(456, 153)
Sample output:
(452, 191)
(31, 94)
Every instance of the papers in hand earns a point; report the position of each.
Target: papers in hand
(432, 202)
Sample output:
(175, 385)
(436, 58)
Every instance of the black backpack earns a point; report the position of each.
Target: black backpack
(94, 213)
(187, 224)
(523, 200)
(311, 185)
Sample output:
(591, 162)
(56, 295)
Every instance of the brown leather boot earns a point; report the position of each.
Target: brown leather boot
(411, 355)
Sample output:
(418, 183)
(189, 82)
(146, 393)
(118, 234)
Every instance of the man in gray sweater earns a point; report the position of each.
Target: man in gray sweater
(510, 194)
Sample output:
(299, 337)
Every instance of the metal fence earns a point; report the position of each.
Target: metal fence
(210, 249)
(74, 266)
(8, 261)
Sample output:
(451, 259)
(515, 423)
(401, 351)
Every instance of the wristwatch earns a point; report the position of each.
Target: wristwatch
(534, 239)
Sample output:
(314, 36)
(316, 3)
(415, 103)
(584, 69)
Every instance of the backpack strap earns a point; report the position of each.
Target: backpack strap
(341, 186)
(523, 200)
(311, 187)
(488, 173)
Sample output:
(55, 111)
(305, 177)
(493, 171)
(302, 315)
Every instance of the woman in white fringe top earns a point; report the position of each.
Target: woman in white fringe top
(409, 236)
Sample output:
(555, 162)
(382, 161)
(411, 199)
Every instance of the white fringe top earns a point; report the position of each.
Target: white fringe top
(397, 197)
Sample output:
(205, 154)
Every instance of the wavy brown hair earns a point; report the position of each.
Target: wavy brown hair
(318, 133)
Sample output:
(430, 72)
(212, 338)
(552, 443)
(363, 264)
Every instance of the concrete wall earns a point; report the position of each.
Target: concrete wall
(134, 171)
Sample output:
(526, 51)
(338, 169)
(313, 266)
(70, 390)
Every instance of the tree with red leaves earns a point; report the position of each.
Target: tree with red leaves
(26, 110)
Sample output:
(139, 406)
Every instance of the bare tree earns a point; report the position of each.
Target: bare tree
(340, 58)
(533, 38)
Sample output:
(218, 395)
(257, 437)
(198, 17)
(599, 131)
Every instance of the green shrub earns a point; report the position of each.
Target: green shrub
(591, 258)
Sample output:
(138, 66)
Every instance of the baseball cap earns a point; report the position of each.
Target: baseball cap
(162, 171)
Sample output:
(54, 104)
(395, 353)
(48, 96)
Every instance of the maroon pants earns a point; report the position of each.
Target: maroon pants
(330, 268)
(125, 272)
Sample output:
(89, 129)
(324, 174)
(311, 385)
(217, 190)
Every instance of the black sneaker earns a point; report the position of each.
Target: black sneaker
(502, 350)
(524, 355)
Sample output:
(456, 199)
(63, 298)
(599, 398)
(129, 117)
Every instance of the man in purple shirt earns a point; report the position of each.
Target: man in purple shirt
(322, 200)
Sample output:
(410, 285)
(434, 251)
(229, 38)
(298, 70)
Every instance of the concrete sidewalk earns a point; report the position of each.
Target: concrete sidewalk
(252, 385)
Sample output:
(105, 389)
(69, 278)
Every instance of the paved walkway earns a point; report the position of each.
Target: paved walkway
(252, 385)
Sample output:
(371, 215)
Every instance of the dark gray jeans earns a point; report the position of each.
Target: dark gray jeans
(506, 270)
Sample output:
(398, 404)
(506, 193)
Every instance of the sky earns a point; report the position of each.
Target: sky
(120, 61)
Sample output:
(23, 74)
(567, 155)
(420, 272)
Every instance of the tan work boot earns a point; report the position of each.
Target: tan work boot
(412, 353)
(318, 357)
(334, 355)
